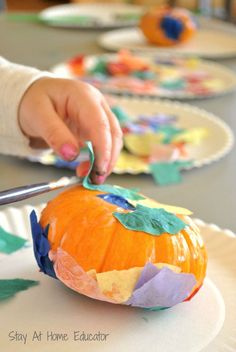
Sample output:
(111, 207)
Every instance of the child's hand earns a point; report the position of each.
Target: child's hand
(66, 113)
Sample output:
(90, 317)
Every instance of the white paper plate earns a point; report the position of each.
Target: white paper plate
(216, 145)
(214, 39)
(104, 15)
(225, 76)
(206, 323)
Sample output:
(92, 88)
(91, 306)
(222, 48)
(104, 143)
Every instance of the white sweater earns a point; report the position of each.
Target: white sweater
(14, 81)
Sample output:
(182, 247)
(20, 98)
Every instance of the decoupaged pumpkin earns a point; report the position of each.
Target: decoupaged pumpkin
(166, 26)
(85, 240)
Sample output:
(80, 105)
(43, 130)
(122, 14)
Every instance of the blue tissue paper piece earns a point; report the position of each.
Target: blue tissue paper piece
(172, 27)
(67, 164)
(117, 200)
(41, 246)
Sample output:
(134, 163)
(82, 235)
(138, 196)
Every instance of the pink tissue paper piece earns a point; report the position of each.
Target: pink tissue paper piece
(73, 276)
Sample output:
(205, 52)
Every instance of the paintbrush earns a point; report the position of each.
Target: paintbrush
(19, 193)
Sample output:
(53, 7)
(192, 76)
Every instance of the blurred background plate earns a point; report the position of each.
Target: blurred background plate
(218, 142)
(206, 323)
(92, 15)
(176, 72)
(214, 40)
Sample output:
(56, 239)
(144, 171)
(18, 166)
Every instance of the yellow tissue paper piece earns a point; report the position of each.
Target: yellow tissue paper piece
(142, 144)
(215, 84)
(192, 63)
(48, 159)
(127, 161)
(171, 73)
(193, 135)
(119, 284)
(148, 202)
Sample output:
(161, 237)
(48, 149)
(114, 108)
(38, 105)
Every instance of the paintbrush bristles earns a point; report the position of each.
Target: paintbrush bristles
(63, 182)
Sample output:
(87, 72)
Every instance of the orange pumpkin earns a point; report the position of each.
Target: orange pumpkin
(82, 225)
(166, 26)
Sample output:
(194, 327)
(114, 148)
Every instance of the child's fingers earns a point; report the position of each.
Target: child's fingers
(54, 131)
(116, 135)
(100, 135)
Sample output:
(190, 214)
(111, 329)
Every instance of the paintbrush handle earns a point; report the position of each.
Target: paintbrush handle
(20, 193)
(24, 192)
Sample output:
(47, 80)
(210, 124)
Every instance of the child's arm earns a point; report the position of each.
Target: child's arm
(14, 81)
(61, 112)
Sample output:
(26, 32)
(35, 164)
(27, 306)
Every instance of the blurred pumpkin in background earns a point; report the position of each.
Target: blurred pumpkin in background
(166, 26)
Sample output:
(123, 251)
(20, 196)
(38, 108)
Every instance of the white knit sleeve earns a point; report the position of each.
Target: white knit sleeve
(14, 81)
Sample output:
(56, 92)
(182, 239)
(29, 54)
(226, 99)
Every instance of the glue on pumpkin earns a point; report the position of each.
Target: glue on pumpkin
(166, 26)
(115, 245)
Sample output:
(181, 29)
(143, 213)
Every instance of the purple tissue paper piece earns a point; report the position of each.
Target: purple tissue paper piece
(165, 289)
(158, 119)
(149, 271)
(136, 128)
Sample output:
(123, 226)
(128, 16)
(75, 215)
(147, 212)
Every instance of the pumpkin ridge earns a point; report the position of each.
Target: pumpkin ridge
(108, 247)
(195, 264)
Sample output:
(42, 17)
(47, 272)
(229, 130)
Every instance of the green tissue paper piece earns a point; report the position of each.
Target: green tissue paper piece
(8, 288)
(80, 20)
(150, 220)
(10, 243)
(127, 16)
(120, 114)
(145, 75)
(173, 84)
(170, 132)
(57, 20)
(120, 191)
(100, 67)
(156, 308)
(167, 173)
